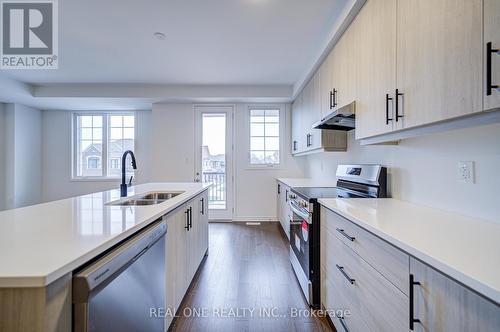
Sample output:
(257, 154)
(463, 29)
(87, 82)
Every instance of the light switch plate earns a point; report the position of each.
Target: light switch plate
(466, 171)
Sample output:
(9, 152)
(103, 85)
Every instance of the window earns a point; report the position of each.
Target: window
(93, 162)
(264, 137)
(99, 142)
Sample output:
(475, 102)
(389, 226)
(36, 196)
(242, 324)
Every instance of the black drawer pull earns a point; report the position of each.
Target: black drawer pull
(341, 269)
(341, 231)
(489, 85)
(387, 118)
(412, 298)
(342, 322)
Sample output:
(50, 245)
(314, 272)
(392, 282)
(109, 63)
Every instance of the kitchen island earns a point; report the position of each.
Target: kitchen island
(41, 245)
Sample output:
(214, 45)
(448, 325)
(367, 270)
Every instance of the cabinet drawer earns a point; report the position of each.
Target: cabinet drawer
(381, 305)
(391, 262)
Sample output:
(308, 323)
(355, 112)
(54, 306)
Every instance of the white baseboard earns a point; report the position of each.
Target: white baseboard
(255, 219)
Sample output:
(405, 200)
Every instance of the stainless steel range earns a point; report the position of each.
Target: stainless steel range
(353, 181)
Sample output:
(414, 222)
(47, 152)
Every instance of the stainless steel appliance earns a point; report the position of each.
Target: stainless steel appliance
(353, 181)
(119, 291)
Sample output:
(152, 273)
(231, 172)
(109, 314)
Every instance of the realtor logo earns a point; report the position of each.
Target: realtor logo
(29, 34)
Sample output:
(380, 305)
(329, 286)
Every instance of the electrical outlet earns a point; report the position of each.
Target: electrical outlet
(466, 171)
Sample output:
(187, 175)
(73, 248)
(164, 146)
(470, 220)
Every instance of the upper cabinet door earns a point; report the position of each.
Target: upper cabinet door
(375, 37)
(439, 59)
(344, 70)
(492, 58)
(297, 143)
(325, 86)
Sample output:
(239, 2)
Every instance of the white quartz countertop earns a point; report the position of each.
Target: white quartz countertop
(306, 182)
(464, 248)
(40, 243)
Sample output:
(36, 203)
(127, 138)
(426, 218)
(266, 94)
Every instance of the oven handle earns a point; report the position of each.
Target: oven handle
(300, 213)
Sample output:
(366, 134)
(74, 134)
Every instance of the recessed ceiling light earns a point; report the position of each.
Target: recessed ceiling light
(159, 35)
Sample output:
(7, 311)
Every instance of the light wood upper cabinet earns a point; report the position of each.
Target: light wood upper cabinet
(441, 304)
(439, 60)
(375, 36)
(325, 85)
(343, 69)
(491, 35)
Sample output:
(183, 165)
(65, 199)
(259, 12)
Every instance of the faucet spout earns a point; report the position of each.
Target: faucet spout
(123, 185)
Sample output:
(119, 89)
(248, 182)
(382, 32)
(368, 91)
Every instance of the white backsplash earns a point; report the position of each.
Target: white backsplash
(424, 170)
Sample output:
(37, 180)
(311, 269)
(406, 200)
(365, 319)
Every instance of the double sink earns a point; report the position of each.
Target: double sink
(146, 199)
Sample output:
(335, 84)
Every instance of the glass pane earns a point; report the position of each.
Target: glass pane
(128, 133)
(214, 158)
(128, 121)
(89, 158)
(272, 157)
(257, 115)
(257, 129)
(97, 121)
(115, 120)
(115, 133)
(257, 157)
(257, 143)
(86, 133)
(97, 133)
(86, 121)
(272, 143)
(272, 116)
(272, 129)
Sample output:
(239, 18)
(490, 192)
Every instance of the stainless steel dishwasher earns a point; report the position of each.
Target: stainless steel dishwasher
(123, 290)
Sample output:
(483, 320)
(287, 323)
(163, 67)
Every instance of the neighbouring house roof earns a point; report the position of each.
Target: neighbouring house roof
(115, 146)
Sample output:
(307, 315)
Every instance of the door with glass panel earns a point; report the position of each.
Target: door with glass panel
(214, 157)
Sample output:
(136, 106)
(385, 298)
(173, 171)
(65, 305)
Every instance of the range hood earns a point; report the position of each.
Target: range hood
(340, 119)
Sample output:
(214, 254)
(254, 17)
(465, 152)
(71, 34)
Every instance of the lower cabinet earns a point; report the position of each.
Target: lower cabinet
(362, 298)
(187, 243)
(362, 290)
(441, 304)
(283, 208)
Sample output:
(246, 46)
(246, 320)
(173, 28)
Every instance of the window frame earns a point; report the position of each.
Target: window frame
(281, 122)
(105, 135)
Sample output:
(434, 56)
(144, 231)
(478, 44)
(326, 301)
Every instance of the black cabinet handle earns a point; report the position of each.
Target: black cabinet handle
(203, 205)
(190, 217)
(412, 298)
(187, 220)
(294, 145)
(342, 322)
(489, 51)
(334, 98)
(397, 105)
(341, 231)
(279, 189)
(308, 140)
(331, 99)
(286, 195)
(341, 269)
(387, 119)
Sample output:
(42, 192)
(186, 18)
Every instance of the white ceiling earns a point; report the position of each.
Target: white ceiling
(207, 41)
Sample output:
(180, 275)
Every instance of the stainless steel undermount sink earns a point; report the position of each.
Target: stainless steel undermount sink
(147, 199)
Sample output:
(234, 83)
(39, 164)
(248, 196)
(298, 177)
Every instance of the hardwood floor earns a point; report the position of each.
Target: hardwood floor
(246, 284)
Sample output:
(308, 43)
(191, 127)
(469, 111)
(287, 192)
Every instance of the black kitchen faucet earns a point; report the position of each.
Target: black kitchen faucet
(123, 186)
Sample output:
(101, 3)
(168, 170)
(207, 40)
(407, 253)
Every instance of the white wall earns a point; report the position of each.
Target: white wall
(57, 183)
(3, 174)
(23, 156)
(173, 158)
(424, 170)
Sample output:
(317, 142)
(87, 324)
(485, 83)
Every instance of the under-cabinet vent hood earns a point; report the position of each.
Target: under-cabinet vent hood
(340, 119)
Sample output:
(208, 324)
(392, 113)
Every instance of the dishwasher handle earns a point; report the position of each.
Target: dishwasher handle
(112, 264)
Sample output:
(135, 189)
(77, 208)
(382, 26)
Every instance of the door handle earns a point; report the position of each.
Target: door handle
(489, 51)
(190, 217)
(412, 298)
(187, 220)
(203, 206)
(331, 99)
(397, 105)
(387, 119)
(334, 98)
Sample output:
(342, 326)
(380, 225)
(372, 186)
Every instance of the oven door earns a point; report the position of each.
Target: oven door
(300, 239)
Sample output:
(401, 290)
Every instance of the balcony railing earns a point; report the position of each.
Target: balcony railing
(217, 192)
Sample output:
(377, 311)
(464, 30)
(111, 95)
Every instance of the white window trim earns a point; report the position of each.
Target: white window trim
(74, 141)
(282, 121)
